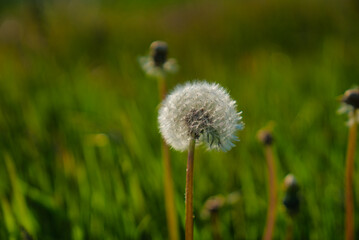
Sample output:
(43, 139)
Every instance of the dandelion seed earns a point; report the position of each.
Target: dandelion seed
(203, 111)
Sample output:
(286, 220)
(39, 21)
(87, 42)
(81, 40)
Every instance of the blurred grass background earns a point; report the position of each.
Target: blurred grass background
(80, 154)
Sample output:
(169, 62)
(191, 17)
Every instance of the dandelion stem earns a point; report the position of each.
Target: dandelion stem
(168, 182)
(289, 230)
(169, 195)
(215, 226)
(189, 191)
(162, 86)
(271, 213)
(349, 170)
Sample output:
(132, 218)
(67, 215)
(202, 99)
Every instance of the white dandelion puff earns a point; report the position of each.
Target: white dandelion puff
(202, 111)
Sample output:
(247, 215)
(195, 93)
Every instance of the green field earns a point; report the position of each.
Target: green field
(80, 149)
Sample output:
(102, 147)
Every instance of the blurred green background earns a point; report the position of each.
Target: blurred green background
(80, 154)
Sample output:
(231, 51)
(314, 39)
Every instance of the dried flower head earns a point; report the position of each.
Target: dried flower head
(350, 105)
(157, 64)
(212, 205)
(200, 110)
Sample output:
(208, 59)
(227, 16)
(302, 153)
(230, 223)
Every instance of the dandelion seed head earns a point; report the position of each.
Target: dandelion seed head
(203, 111)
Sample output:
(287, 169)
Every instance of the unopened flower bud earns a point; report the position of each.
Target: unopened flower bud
(156, 64)
(291, 199)
(351, 97)
(212, 205)
(158, 52)
(265, 137)
(290, 183)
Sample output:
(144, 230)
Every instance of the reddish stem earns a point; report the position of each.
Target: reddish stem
(272, 198)
(349, 171)
(168, 182)
(189, 191)
(216, 232)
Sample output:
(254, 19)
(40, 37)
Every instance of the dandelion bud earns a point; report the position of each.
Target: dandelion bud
(291, 199)
(158, 52)
(350, 105)
(201, 111)
(351, 97)
(265, 137)
(290, 183)
(157, 64)
(212, 205)
(215, 203)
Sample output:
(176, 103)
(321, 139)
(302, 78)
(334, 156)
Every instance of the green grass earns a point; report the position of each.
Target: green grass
(79, 142)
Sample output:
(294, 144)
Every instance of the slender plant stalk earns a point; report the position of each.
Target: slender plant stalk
(215, 226)
(289, 230)
(162, 89)
(349, 171)
(168, 182)
(272, 198)
(189, 191)
(169, 195)
(238, 221)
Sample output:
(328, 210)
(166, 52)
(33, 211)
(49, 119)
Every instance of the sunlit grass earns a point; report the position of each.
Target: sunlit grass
(79, 142)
